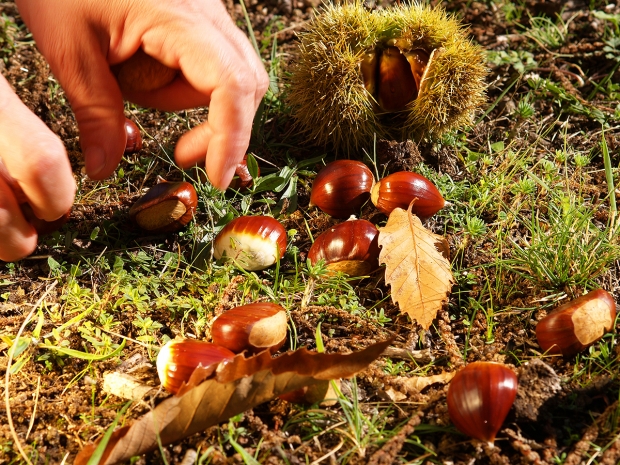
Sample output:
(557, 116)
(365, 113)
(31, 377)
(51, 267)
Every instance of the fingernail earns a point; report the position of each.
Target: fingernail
(95, 161)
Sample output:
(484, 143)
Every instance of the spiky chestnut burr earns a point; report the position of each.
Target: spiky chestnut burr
(178, 359)
(252, 327)
(351, 247)
(253, 242)
(342, 187)
(408, 71)
(479, 398)
(166, 207)
(575, 325)
(399, 189)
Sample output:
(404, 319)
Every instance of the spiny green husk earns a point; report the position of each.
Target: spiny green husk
(326, 89)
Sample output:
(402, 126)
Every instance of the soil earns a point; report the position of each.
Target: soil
(553, 420)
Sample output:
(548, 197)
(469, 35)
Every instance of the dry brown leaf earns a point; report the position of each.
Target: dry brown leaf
(417, 272)
(238, 386)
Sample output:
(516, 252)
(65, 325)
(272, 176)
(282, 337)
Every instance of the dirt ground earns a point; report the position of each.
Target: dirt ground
(556, 419)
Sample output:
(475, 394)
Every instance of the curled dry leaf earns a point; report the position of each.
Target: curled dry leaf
(416, 270)
(238, 386)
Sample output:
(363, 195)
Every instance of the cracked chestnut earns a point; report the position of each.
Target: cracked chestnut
(351, 247)
(252, 327)
(399, 189)
(166, 207)
(342, 187)
(252, 242)
(480, 397)
(575, 325)
(178, 359)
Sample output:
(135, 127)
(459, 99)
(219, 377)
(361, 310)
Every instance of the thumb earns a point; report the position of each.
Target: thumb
(98, 107)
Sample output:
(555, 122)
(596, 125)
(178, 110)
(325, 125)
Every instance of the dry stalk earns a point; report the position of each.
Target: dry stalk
(7, 379)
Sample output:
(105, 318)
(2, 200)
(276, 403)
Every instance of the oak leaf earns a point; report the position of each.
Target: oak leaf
(416, 270)
(237, 386)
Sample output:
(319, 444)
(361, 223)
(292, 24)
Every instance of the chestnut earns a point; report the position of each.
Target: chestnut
(166, 207)
(480, 397)
(351, 247)
(42, 227)
(397, 86)
(252, 327)
(341, 188)
(242, 179)
(253, 242)
(178, 359)
(133, 137)
(142, 73)
(575, 325)
(399, 189)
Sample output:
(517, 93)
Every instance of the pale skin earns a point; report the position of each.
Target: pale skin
(81, 40)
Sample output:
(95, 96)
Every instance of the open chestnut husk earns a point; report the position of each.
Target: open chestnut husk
(178, 359)
(575, 325)
(351, 247)
(252, 327)
(252, 242)
(133, 138)
(480, 397)
(399, 189)
(166, 207)
(342, 187)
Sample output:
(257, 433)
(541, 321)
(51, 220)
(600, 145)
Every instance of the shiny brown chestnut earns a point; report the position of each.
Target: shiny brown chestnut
(253, 242)
(252, 327)
(42, 227)
(166, 207)
(399, 189)
(142, 73)
(575, 325)
(133, 138)
(341, 188)
(351, 247)
(242, 179)
(480, 397)
(178, 359)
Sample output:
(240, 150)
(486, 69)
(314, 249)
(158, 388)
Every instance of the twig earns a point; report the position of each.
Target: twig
(34, 409)
(7, 379)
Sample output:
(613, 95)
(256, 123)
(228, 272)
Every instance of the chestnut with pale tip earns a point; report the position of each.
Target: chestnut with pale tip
(252, 327)
(480, 397)
(351, 247)
(575, 325)
(133, 138)
(399, 189)
(178, 359)
(166, 207)
(341, 188)
(252, 242)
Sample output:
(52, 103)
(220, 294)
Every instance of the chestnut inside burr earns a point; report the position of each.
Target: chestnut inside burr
(161, 214)
(393, 77)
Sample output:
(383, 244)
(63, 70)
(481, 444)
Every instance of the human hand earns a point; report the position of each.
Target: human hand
(34, 168)
(218, 68)
(81, 40)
